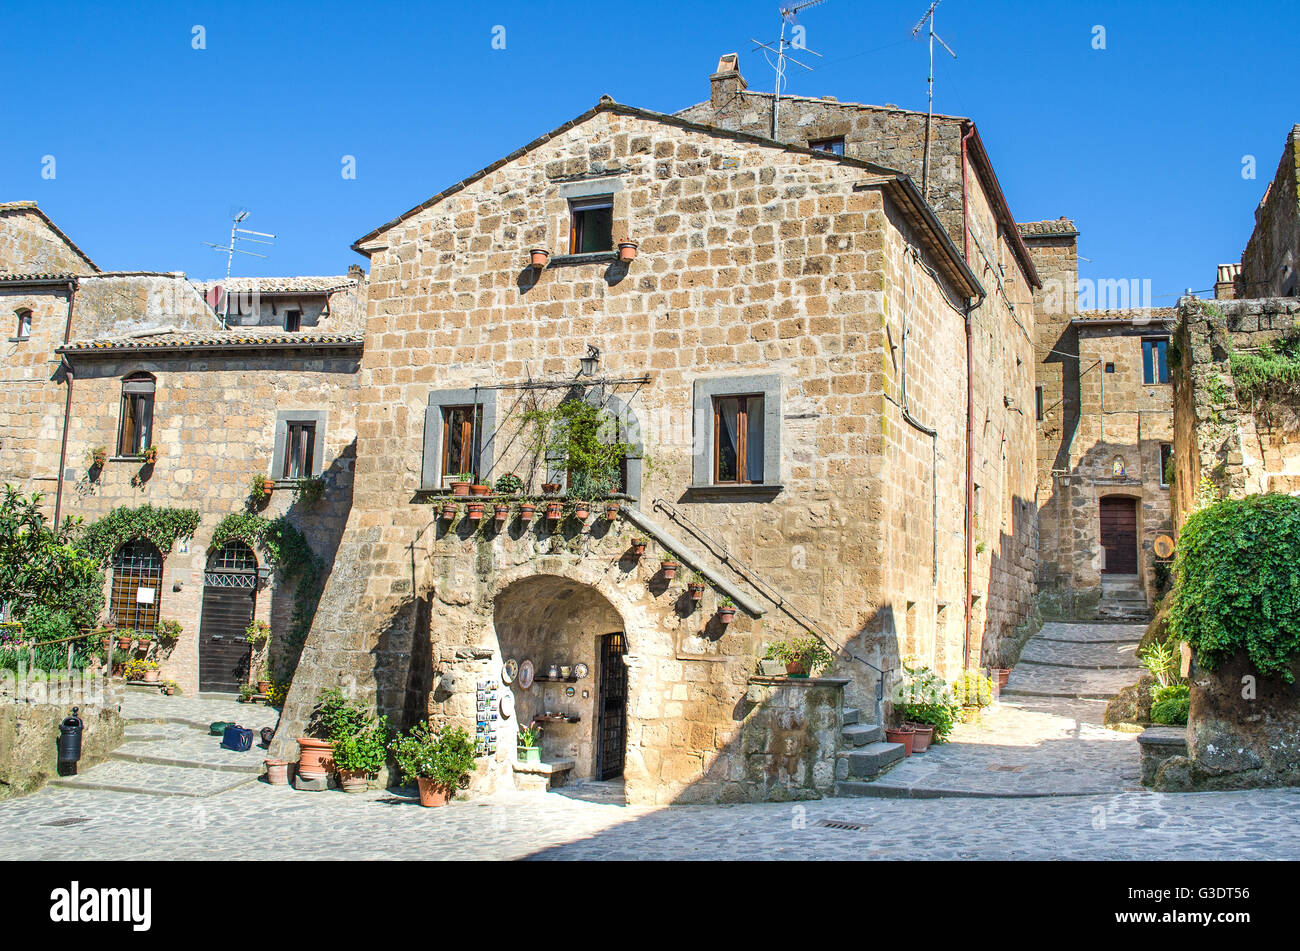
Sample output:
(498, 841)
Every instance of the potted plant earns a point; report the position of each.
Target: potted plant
(1001, 675)
(802, 656)
(529, 752)
(143, 641)
(638, 547)
(902, 734)
(277, 771)
(359, 753)
(611, 511)
(308, 491)
(550, 488)
(169, 687)
(333, 713)
(972, 691)
(627, 250)
(260, 489)
(509, 484)
(437, 761)
(669, 566)
(581, 510)
(925, 704)
(460, 483)
(448, 511)
(696, 586)
(168, 631)
(537, 258)
(98, 457)
(480, 488)
(553, 511)
(726, 611)
(500, 513)
(246, 693)
(526, 511)
(257, 633)
(144, 671)
(149, 455)
(474, 511)
(124, 640)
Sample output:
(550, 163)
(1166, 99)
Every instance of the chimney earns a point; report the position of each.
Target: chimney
(726, 85)
(355, 273)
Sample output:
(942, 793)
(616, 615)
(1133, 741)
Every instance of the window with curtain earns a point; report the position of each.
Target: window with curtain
(738, 440)
(136, 428)
(299, 451)
(460, 427)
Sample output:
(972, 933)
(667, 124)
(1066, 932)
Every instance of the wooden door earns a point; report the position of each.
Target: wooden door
(229, 597)
(1119, 535)
(612, 706)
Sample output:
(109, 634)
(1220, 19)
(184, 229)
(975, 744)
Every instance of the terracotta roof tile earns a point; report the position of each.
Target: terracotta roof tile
(211, 341)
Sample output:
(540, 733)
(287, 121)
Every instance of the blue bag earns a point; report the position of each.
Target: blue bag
(237, 738)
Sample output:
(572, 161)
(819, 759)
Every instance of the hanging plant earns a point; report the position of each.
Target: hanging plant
(161, 526)
(308, 491)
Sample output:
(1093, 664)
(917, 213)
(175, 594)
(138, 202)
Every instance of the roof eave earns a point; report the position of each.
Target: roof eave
(984, 168)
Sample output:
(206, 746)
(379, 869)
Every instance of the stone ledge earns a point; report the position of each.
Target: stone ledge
(1175, 736)
(801, 681)
(544, 769)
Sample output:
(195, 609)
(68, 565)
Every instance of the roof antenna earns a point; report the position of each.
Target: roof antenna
(929, 115)
(236, 235)
(788, 15)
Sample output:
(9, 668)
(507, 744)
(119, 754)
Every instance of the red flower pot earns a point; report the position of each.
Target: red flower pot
(638, 547)
(581, 510)
(449, 511)
(480, 490)
(696, 590)
(501, 512)
(627, 250)
(669, 568)
(611, 511)
(432, 794)
(474, 511)
(316, 757)
(923, 734)
(552, 511)
(1000, 674)
(726, 615)
(796, 668)
(277, 772)
(268, 486)
(526, 512)
(550, 488)
(538, 257)
(460, 488)
(902, 735)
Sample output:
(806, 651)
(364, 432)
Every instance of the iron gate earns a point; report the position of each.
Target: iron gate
(613, 705)
(229, 597)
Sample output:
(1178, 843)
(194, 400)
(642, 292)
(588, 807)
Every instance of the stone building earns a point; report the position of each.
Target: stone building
(128, 361)
(785, 361)
(1268, 265)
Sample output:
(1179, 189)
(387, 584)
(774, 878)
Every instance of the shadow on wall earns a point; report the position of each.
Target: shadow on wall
(1009, 611)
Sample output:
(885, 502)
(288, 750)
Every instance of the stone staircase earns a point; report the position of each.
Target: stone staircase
(863, 755)
(1122, 599)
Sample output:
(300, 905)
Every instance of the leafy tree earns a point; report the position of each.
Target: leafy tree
(44, 565)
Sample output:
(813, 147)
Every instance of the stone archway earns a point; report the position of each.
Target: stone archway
(554, 620)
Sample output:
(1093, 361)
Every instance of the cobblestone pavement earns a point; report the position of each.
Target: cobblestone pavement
(1043, 738)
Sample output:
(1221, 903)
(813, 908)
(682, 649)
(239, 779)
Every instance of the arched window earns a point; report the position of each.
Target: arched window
(136, 430)
(137, 586)
(232, 566)
(24, 328)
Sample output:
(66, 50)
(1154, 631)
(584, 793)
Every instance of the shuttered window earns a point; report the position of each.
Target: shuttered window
(136, 427)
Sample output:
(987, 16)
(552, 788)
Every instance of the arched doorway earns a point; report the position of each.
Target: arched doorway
(136, 595)
(229, 599)
(1119, 535)
(555, 621)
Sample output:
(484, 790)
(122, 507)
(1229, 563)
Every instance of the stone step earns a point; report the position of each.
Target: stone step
(868, 761)
(154, 780)
(850, 715)
(860, 734)
(160, 754)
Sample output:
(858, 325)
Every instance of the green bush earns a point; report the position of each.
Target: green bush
(1238, 574)
(923, 697)
(446, 757)
(362, 751)
(1170, 705)
(972, 689)
(334, 714)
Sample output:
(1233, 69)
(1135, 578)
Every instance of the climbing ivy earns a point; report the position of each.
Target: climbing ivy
(161, 526)
(1272, 371)
(1238, 582)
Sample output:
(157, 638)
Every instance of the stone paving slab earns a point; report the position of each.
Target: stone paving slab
(153, 707)
(153, 779)
(257, 820)
(195, 750)
(1090, 633)
(1107, 655)
(1037, 680)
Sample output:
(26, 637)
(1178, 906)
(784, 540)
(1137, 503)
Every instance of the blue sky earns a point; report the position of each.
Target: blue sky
(154, 142)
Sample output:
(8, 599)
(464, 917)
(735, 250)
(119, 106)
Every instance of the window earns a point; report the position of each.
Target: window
(24, 329)
(136, 429)
(834, 146)
(460, 426)
(293, 320)
(591, 227)
(1038, 403)
(738, 440)
(1155, 360)
(1166, 464)
(299, 451)
(137, 587)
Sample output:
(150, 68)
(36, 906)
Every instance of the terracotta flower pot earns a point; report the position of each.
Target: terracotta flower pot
(124, 643)
(432, 794)
(263, 686)
(726, 615)
(460, 488)
(796, 668)
(581, 510)
(316, 757)
(611, 510)
(150, 676)
(552, 511)
(902, 735)
(550, 488)
(1000, 674)
(696, 590)
(354, 780)
(268, 486)
(169, 691)
(277, 772)
(923, 735)
(638, 547)
(526, 512)
(474, 511)
(98, 459)
(538, 257)
(150, 456)
(479, 489)
(669, 568)
(105, 643)
(627, 250)
(970, 713)
(449, 511)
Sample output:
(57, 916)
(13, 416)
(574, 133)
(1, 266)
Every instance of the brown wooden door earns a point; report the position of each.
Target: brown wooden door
(1119, 535)
(229, 596)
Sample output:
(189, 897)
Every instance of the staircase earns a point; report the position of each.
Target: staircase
(1122, 599)
(863, 755)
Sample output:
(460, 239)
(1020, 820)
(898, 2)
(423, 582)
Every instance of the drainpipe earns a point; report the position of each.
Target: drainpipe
(970, 401)
(67, 409)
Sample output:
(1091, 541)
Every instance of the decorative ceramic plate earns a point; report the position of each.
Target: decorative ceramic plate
(508, 671)
(580, 671)
(526, 675)
(507, 705)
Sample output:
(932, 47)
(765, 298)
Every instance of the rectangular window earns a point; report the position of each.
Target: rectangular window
(293, 320)
(24, 324)
(1155, 360)
(591, 228)
(834, 146)
(459, 442)
(1166, 464)
(738, 440)
(299, 451)
(137, 423)
(1038, 403)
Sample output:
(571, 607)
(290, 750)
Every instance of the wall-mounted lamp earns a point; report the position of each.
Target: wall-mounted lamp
(591, 362)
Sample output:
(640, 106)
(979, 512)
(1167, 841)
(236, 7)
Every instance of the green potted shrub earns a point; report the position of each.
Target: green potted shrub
(260, 489)
(925, 704)
(144, 671)
(168, 631)
(529, 752)
(802, 656)
(509, 484)
(972, 691)
(437, 760)
(461, 482)
(333, 713)
(359, 753)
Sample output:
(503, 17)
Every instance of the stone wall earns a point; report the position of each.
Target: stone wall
(31, 244)
(755, 262)
(30, 715)
(1268, 265)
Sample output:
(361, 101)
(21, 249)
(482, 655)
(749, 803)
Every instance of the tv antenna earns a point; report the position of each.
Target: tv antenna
(928, 19)
(237, 234)
(788, 18)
